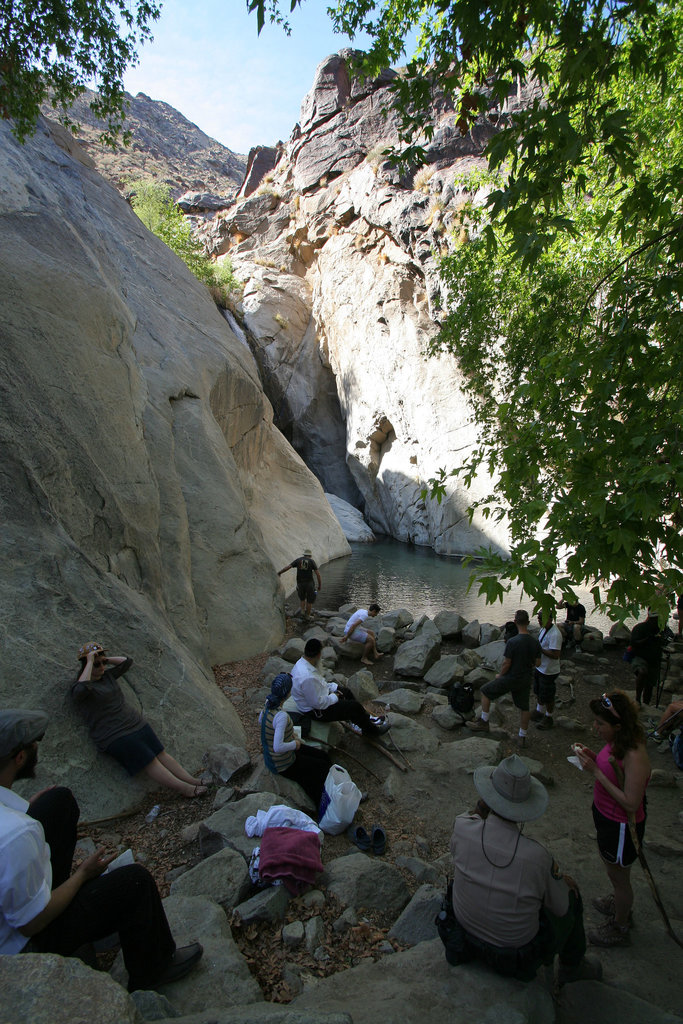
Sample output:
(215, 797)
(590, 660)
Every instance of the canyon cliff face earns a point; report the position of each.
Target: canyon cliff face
(339, 258)
(146, 497)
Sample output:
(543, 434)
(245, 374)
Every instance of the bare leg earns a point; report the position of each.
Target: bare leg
(485, 704)
(160, 774)
(623, 893)
(370, 652)
(672, 710)
(177, 769)
(524, 717)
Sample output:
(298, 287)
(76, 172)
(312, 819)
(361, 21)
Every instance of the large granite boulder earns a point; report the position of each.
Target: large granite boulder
(414, 657)
(47, 989)
(362, 883)
(446, 671)
(417, 986)
(449, 623)
(351, 520)
(222, 977)
(226, 826)
(143, 475)
(223, 877)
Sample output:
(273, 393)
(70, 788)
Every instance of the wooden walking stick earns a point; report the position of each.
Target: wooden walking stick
(619, 772)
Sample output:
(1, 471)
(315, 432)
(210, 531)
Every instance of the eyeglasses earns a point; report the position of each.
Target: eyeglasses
(607, 703)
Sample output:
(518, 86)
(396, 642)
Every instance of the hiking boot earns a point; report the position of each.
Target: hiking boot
(547, 722)
(478, 725)
(537, 716)
(610, 934)
(182, 962)
(605, 905)
(590, 969)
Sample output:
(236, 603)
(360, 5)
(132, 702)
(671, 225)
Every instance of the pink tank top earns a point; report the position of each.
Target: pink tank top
(605, 803)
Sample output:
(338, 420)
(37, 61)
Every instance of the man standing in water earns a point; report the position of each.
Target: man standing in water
(305, 567)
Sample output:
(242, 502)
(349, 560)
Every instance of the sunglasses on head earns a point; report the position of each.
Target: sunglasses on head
(607, 703)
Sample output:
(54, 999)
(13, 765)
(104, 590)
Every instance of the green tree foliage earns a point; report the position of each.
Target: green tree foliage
(155, 207)
(52, 50)
(567, 305)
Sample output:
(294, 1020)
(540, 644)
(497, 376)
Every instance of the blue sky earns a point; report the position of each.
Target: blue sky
(244, 90)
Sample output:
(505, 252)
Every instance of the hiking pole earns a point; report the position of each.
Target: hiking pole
(345, 753)
(619, 772)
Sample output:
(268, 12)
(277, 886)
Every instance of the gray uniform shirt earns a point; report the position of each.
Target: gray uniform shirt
(104, 707)
(501, 880)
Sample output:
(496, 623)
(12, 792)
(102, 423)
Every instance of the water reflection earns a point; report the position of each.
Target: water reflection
(398, 576)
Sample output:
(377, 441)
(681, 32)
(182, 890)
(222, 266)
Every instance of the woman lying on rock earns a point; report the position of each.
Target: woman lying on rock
(283, 753)
(118, 729)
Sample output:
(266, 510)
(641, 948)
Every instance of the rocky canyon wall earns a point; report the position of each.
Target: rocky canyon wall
(339, 258)
(146, 497)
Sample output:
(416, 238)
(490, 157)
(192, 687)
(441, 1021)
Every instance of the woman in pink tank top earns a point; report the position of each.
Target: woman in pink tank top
(621, 770)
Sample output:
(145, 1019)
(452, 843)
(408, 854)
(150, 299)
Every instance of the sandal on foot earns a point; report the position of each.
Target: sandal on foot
(200, 790)
(359, 836)
(379, 840)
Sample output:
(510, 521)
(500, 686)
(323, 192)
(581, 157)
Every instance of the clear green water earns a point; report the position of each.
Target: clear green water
(397, 576)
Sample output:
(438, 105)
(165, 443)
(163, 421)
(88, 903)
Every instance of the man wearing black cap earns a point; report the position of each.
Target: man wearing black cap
(511, 907)
(46, 909)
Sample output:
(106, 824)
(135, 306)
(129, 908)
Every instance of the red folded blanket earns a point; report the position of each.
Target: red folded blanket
(291, 855)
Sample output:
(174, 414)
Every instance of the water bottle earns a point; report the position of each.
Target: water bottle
(149, 818)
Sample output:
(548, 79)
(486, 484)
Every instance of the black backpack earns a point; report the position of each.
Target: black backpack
(461, 698)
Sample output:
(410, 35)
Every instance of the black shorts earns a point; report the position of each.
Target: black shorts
(545, 687)
(136, 750)
(614, 839)
(306, 591)
(499, 686)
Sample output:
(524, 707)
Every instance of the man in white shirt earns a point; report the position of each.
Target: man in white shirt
(46, 909)
(545, 676)
(328, 702)
(355, 630)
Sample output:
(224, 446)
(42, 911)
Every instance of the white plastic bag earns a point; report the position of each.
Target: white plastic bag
(339, 801)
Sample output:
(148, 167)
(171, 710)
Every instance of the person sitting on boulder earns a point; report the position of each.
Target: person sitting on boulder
(46, 909)
(355, 630)
(511, 907)
(118, 729)
(329, 702)
(574, 626)
(305, 566)
(283, 753)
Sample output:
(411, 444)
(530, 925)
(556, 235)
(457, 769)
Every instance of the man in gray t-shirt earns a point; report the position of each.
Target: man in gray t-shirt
(522, 654)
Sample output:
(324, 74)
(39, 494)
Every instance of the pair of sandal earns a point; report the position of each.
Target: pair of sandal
(375, 842)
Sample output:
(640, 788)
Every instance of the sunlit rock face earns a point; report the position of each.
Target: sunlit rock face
(147, 498)
(339, 255)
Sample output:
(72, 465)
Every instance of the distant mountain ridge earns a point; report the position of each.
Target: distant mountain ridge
(164, 145)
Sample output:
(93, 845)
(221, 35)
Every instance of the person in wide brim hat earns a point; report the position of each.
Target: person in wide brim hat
(510, 790)
(510, 905)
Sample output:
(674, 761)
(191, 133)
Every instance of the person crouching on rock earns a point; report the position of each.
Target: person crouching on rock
(355, 630)
(329, 702)
(118, 729)
(283, 753)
